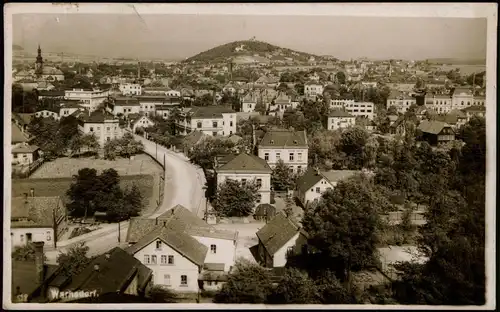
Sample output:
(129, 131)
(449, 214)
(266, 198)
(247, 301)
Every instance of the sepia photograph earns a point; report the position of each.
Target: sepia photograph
(249, 155)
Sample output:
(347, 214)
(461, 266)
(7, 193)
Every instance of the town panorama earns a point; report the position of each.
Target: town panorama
(247, 173)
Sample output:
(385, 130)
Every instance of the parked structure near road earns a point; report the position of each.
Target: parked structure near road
(287, 145)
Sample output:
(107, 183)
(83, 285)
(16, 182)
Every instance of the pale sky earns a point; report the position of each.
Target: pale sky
(181, 36)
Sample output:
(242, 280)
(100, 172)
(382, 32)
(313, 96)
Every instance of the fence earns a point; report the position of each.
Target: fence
(416, 217)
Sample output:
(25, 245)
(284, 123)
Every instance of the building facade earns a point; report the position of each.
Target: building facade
(211, 120)
(90, 99)
(339, 119)
(286, 145)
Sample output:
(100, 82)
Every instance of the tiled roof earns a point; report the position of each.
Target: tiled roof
(127, 101)
(282, 98)
(49, 93)
(25, 149)
(279, 231)
(208, 111)
(250, 97)
(71, 104)
(17, 136)
(97, 117)
(431, 126)
(284, 138)
(39, 211)
(24, 276)
(475, 108)
(308, 180)
(181, 242)
(115, 270)
(247, 163)
(339, 113)
(214, 266)
(235, 138)
(193, 138)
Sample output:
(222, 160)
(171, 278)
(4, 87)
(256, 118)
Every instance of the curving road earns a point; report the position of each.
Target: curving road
(183, 186)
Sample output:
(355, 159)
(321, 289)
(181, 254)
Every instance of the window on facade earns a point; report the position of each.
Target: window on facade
(158, 244)
(198, 124)
(318, 190)
(259, 183)
(462, 102)
(278, 156)
(184, 280)
(266, 156)
(153, 259)
(214, 133)
(166, 279)
(259, 198)
(108, 128)
(299, 169)
(468, 103)
(213, 248)
(170, 259)
(163, 259)
(243, 181)
(108, 139)
(22, 238)
(49, 236)
(91, 129)
(290, 157)
(146, 259)
(230, 123)
(214, 124)
(299, 156)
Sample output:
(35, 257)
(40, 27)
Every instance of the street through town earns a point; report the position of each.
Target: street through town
(183, 186)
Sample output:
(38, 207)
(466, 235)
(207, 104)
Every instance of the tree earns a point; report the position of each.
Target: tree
(235, 199)
(248, 283)
(260, 107)
(75, 259)
(160, 294)
(322, 146)
(330, 290)
(340, 77)
(24, 253)
(282, 178)
(132, 203)
(342, 226)
(203, 154)
(82, 192)
(90, 141)
(295, 287)
(352, 144)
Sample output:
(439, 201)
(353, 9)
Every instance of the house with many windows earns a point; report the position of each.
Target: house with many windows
(130, 89)
(88, 98)
(183, 251)
(287, 145)
(248, 168)
(124, 106)
(338, 119)
(103, 125)
(211, 120)
(462, 98)
(137, 121)
(436, 132)
(363, 109)
(249, 102)
(312, 89)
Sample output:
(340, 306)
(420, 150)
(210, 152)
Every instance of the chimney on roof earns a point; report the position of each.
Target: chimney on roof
(316, 171)
(39, 262)
(156, 221)
(108, 256)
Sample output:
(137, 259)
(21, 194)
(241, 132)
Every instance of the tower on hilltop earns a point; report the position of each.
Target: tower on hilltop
(39, 62)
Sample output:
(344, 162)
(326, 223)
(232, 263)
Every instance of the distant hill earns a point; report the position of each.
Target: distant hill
(452, 61)
(16, 47)
(247, 49)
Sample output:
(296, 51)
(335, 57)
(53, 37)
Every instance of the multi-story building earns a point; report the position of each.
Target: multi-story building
(249, 102)
(130, 89)
(211, 120)
(363, 109)
(338, 103)
(88, 98)
(124, 106)
(462, 98)
(401, 101)
(287, 145)
(103, 125)
(313, 89)
(476, 110)
(148, 103)
(180, 248)
(338, 119)
(440, 103)
(248, 168)
(69, 108)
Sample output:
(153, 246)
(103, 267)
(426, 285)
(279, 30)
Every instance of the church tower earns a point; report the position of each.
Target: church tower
(39, 62)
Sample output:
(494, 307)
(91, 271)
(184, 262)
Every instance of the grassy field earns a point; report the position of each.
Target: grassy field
(59, 186)
(67, 167)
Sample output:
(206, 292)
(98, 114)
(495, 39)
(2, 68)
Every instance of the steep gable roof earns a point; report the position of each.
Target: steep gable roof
(246, 162)
(309, 179)
(279, 231)
(431, 126)
(181, 242)
(17, 136)
(116, 268)
(284, 138)
(39, 211)
(208, 111)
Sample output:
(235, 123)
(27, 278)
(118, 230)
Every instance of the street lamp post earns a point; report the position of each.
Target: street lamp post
(206, 202)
